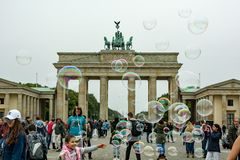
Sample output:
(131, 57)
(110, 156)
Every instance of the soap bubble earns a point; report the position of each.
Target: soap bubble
(131, 76)
(187, 137)
(23, 57)
(187, 81)
(152, 137)
(148, 151)
(155, 112)
(149, 24)
(198, 152)
(184, 12)
(172, 151)
(162, 45)
(198, 135)
(68, 73)
(198, 25)
(119, 65)
(192, 52)
(138, 147)
(165, 102)
(204, 107)
(138, 60)
(180, 113)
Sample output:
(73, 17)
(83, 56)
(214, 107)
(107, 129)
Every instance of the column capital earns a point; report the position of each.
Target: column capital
(152, 77)
(103, 77)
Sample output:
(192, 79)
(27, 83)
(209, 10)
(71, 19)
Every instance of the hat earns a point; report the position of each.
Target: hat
(13, 114)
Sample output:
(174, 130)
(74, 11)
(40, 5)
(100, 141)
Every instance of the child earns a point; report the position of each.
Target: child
(70, 151)
(160, 139)
(213, 148)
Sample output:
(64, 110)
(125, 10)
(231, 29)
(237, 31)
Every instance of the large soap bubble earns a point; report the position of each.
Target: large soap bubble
(204, 107)
(155, 112)
(68, 73)
(180, 113)
(131, 76)
(198, 25)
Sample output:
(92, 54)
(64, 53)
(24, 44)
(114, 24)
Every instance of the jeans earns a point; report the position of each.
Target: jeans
(128, 151)
(49, 137)
(161, 148)
(190, 148)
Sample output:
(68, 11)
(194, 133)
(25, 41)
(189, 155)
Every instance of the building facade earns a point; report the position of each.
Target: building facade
(30, 102)
(225, 97)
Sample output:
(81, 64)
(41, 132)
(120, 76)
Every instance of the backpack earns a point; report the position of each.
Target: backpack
(35, 146)
(134, 130)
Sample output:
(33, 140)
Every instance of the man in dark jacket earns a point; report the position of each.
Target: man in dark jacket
(232, 132)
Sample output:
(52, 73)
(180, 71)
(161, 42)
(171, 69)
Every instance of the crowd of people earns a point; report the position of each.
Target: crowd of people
(31, 139)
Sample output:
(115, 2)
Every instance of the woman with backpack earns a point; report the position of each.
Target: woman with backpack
(15, 142)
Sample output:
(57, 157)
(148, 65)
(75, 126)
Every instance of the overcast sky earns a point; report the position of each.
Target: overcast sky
(44, 27)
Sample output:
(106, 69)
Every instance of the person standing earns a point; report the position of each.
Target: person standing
(160, 139)
(76, 122)
(59, 132)
(15, 143)
(89, 135)
(134, 138)
(232, 132)
(213, 147)
(148, 130)
(224, 129)
(206, 129)
(170, 134)
(190, 142)
(49, 131)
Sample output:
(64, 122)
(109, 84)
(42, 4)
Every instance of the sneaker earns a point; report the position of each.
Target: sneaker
(58, 150)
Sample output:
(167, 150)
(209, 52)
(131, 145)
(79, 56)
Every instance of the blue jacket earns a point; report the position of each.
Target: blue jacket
(213, 142)
(16, 151)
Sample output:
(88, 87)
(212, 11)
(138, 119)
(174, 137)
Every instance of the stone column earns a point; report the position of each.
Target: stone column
(238, 107)
(222, 111)
(60, 102)
(28, 106)
(173, 92)
(152, 90)
(210, 98)
(82, 97)
(6, 103)
(50, 109)
(37, 108)
(31, 107)
(24, 106)
(34, 107)
(19, 103)
(103, 98)
(131, 95)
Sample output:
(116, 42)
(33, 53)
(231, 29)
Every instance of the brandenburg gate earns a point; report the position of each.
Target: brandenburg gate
(97, 66)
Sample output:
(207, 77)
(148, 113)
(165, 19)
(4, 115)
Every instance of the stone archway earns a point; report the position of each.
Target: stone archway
(94, 65)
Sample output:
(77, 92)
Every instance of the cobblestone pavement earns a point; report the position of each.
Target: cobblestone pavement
(106, 154)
